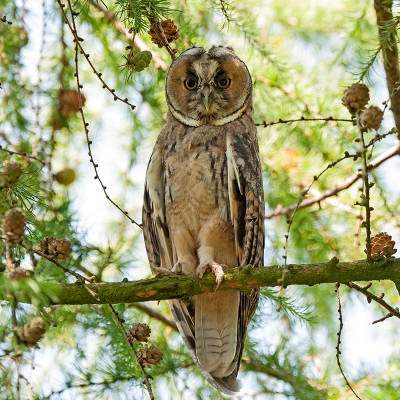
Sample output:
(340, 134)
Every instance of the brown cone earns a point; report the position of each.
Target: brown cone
(371, 117)
(69, 102)
(170, 30)
(149, 356)
(55, 247)
(140, 332)
(12, 171)
(13, 225)
(356, 97)
(15, 274)
(382, 246)
(31, 332)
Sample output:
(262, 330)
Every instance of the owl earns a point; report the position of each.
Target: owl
(204, 203)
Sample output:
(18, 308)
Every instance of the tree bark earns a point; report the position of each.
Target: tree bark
(243, 279)
(383, 9)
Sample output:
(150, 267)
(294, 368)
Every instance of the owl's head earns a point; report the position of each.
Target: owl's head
(208, 87)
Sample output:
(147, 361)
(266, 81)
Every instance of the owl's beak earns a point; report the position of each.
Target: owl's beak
(206, 102)
(206, 92)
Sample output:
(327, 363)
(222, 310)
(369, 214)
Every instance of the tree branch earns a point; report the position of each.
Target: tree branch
(394, 150)
(244, 278)
(383, 9)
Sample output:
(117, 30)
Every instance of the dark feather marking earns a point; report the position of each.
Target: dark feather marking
(216, 193)
(248, 222)
(212, 166)
(240, 215)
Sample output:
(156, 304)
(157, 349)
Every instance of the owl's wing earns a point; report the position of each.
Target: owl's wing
(246, 199)
(155, 228)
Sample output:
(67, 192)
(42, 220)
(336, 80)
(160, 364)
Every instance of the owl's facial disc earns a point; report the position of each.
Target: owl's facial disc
(211, 87)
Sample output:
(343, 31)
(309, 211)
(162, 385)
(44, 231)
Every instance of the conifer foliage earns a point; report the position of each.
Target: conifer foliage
(81, 104)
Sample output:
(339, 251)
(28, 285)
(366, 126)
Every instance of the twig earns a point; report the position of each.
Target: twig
(129, 340)
(80, 278)
(17, 351)
(78, 41)
(394, 150)
(389, 315)
(264, 124)
(304, 193)
(365, 196)
(86, 124)
(156, 314)
(142, 46)
(155, 22)
(5, 20)
(23, 154)
(374, 297)
(339, 341)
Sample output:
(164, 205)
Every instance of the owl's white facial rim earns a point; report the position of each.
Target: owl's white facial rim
(207, 103)
(218, 122)
(187, 120)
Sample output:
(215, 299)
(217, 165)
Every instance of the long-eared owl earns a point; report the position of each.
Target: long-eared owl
(204, 203)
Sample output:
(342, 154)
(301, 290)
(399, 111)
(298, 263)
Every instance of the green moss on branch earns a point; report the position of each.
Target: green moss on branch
(244, 278)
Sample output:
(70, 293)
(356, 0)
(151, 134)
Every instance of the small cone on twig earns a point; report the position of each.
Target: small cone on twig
(65, 177)
(55, 247)
(371, 118)
(139, 61)
(140, 332)
(17, 273)
(31, 332)
(382, 246)
(69, 102)
(12, 171)
(164, 30)
(13, 225)
(149, 356)
(356, 97)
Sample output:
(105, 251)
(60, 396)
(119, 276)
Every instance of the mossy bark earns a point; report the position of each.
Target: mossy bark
(243, 278)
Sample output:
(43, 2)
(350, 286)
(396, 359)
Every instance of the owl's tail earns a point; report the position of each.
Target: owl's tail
(212, 338)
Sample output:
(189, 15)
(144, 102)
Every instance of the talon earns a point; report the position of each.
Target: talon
(217, 270)
(177, 268)
(158, 271)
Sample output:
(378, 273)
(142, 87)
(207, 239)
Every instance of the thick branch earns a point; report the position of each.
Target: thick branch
(394, 150)
(383, 9)
(244, 279)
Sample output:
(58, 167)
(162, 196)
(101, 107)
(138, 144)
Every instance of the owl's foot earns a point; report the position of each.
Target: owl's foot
(217, 270)
(158, 271)
(176, 270)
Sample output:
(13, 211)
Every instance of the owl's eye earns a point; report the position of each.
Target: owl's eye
(190, 83)
(224, 83)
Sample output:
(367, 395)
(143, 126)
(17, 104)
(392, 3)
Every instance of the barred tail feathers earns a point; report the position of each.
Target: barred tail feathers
(211, 334)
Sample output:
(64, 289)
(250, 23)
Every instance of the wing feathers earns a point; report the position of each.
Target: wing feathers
(155, 229)
(215, 352)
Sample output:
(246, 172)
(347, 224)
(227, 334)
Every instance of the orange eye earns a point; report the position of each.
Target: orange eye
(224, 83)
(190, 83)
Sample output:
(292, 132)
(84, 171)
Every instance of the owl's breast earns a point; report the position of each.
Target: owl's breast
(196, 180)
